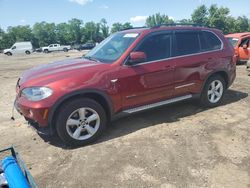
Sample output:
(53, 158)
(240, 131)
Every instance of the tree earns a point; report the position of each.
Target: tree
(230, 25)
(241, 24)
(119, 26)
(158, 19)
(92, 32)
(199, 16)
(45, 33)
(21, 33)
(63, 35)
(218, 18)
(104, 28)
(75, 29)
(185, 21)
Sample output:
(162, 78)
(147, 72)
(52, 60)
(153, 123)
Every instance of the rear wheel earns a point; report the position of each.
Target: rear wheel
(213, 91)
(80, 122)
(27, 52)
(65, 50)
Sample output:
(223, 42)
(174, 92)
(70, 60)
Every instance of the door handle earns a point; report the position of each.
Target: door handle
(113, 81)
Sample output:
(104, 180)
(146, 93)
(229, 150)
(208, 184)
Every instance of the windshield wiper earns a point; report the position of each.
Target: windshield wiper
(91, 58)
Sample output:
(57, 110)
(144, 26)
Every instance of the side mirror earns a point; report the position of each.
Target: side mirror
(137, 57)
(244, 46)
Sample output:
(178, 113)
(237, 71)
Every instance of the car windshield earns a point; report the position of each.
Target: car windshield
(233, 41)
(112, 48)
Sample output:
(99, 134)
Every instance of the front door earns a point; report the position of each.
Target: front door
(244, 53)
(150, 81)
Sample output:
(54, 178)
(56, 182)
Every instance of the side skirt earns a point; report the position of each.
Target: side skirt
(157, 104)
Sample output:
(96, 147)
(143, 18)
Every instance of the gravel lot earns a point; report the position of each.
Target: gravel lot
(181, 145)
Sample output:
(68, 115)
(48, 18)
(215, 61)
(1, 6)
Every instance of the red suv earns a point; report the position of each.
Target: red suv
(128, 72)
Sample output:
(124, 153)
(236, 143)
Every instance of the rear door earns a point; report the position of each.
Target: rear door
(193, 50)
(149, 81)
(244, 54)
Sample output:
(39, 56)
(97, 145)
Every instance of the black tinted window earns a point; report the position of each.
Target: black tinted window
(186, 43)
(212, 40)
(156, 47)
(244, 42)
(204, 44)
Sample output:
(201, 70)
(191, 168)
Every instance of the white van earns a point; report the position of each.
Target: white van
(19, 48)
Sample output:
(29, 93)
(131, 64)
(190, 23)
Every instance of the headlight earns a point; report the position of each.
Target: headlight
(37, 93)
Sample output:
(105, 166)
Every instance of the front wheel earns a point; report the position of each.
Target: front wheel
(80, 122)
(213, 91)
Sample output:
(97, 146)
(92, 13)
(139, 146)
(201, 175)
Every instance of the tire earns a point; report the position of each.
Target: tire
(74, 125)
(213, 91)
(27, 52)
(65, 50)
(8, 54)
(46, 51)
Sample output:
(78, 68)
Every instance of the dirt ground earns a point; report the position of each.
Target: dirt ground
(181, 145)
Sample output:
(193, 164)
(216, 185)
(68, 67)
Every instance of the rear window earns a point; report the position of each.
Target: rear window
(186, 43)
(213, 41)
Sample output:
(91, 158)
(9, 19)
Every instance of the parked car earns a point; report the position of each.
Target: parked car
(248, 67)
(241, 43)
(87, 46)
(130, 71)
(19, 48)
(55, 47)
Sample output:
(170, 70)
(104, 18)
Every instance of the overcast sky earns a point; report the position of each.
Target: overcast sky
(23, 12)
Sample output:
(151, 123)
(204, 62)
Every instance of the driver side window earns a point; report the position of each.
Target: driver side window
(245, 42)
(13, 48)
(156, 47)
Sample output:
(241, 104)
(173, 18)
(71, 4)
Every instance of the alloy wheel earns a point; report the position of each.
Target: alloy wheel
(83, 123)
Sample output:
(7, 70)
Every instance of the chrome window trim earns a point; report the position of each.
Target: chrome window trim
(175, 57)
(186, 85)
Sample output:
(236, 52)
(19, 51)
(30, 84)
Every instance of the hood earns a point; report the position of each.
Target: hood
(70, 67)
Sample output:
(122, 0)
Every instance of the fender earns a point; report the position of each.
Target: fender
(75, 93)
(215, 72)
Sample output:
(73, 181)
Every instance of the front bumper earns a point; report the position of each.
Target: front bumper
(33, 112)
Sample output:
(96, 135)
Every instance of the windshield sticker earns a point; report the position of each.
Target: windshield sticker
(130, 35)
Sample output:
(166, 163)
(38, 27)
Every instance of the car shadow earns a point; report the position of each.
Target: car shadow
(165, 114)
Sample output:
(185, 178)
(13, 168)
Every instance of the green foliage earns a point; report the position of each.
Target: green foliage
(185, 21)
(219, 17)
(158, 19)
(199, 16)
(118, 27)
(45, 33)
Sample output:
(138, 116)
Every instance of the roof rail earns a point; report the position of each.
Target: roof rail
(245, 34)
(178, 24)
(133, 28)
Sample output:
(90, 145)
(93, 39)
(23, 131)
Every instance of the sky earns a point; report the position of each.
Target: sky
(28, 12)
